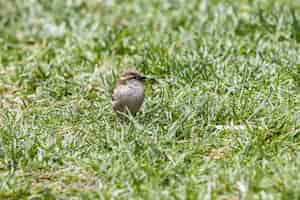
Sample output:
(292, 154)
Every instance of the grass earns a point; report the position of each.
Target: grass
(218, 64)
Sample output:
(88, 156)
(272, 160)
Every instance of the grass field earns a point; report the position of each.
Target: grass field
(222, 121)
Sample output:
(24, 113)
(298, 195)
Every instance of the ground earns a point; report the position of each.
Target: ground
(220, 122)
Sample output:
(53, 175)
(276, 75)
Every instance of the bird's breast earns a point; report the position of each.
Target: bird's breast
(135, 96)
(129, 97)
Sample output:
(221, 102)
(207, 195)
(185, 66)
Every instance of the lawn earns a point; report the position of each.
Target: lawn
(222, 120)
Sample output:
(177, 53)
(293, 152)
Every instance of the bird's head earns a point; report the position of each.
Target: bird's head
(131, 76)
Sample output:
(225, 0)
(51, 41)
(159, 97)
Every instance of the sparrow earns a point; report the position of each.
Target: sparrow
(128, 95)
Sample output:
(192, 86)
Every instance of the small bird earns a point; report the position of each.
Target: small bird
(128, 94)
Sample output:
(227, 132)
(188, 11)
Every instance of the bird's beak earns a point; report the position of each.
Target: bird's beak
(149, 78)
(143, 78)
